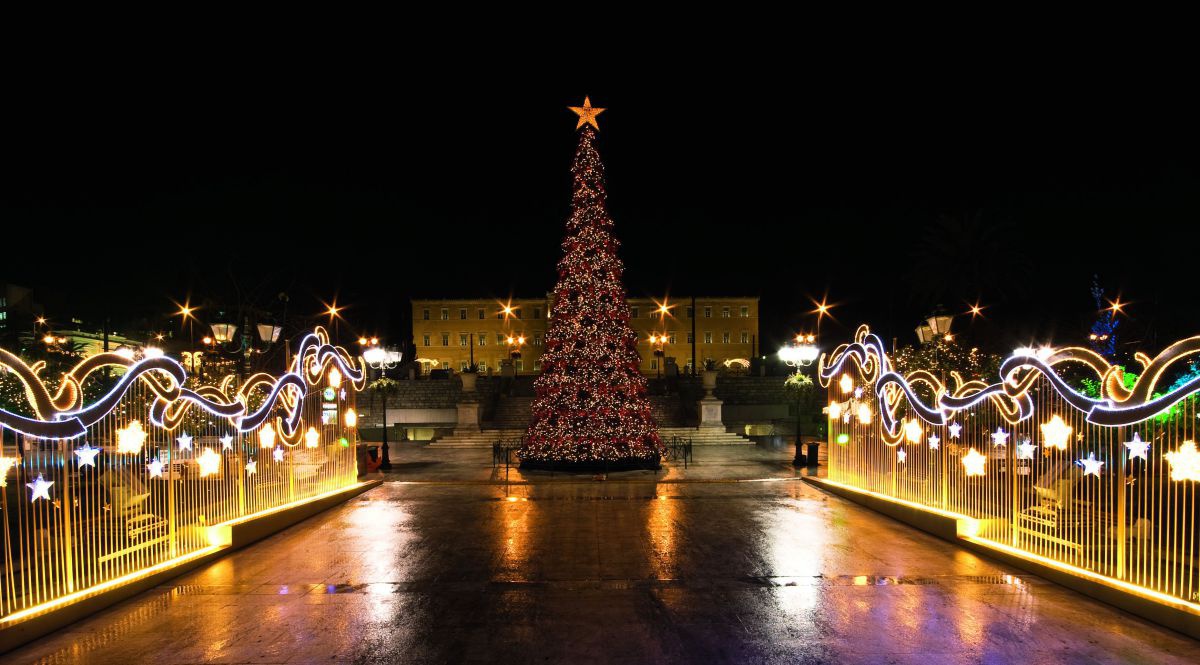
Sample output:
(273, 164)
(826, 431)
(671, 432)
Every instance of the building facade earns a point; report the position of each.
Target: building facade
(449, 333)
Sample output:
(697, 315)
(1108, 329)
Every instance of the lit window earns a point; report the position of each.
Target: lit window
(671, 337)
(537, 340)
(425, 340)
(708, 311)
(707, 337)
(724, 312)
(654, 363)
(482, 365)
(499, 338)
(445, 314)
(482, 339)
(745, 312)
(462, 339)
(725, 337)
(445, 339)
(745, 337)
(462, 314)
(689, 337)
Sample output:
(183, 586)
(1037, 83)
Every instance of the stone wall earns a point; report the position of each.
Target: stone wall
(424, 395)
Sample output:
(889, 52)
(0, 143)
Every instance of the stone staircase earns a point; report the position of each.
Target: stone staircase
(704, 436)
(511, 413)
(668, 411)
(484, 438)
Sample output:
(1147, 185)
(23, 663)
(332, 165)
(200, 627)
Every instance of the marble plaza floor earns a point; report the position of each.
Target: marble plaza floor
(448, 563)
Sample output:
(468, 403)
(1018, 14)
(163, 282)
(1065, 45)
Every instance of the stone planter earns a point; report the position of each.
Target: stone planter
(709, 379)
(468, 381)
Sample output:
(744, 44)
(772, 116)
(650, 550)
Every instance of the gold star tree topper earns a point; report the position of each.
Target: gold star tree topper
(587, 113)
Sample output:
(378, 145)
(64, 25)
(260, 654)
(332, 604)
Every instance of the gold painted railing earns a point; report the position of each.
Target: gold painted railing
(142, 476)
(1105, 482)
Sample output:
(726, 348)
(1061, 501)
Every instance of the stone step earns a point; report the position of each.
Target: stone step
(700, 437)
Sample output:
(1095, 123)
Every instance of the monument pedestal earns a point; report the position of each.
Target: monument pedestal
(710, 412)
(468, 417)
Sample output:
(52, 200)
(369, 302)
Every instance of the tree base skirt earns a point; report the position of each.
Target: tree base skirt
(593, 466)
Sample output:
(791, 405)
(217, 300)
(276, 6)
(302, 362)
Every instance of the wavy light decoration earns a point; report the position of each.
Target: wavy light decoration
(1103, 481)
(1115, 407)
(64, 416)
(134, 478)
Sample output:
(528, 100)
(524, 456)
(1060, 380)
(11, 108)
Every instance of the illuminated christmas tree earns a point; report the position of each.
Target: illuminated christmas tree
(591, 411)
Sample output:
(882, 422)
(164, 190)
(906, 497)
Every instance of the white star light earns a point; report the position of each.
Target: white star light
(278, 454)
(1137, 447)
(131, 438)
(41, 488)
(858, 393)
(209, 461)
(955, 428)
(227, 442)
(251, 467)
(999, 437)
(6, 463)
(1091, 465)
(1056, 433)
(1185, 462)
(185, 441)
(1025, 449)
(155, 468)
(87, 454)
(973, 463)
(901, 455)
(934, 441)
(912, 431)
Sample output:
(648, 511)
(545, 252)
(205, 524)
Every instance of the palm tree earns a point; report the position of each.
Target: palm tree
(959, 257)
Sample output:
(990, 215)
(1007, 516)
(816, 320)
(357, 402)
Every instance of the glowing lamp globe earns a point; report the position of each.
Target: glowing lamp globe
(373, 355)
(351, 418)
(312, 437)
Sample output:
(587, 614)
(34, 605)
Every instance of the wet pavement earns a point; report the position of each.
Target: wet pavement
(449, 564)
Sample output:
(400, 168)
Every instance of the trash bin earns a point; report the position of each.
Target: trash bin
(813, 451)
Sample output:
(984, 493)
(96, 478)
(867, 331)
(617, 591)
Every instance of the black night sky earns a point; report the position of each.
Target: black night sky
(891, 190)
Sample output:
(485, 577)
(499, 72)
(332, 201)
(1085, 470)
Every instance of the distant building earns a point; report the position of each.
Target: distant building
(17, 311)
(449, 332)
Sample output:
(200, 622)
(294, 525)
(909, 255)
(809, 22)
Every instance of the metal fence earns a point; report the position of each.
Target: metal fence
(1062, 456)
(106, 479)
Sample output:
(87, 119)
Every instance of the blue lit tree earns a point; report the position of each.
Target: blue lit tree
(1103, 335)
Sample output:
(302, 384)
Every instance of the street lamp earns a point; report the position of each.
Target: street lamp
(381, 359)
(514, 348)
(935, 326)
(801, 353)
(659, 340)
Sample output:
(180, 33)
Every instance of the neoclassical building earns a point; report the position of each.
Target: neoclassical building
(449, 332)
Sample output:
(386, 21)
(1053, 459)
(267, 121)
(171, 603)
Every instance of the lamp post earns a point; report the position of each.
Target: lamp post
(658, 341)
(381, 360)
(802, 353)
(514, 349)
